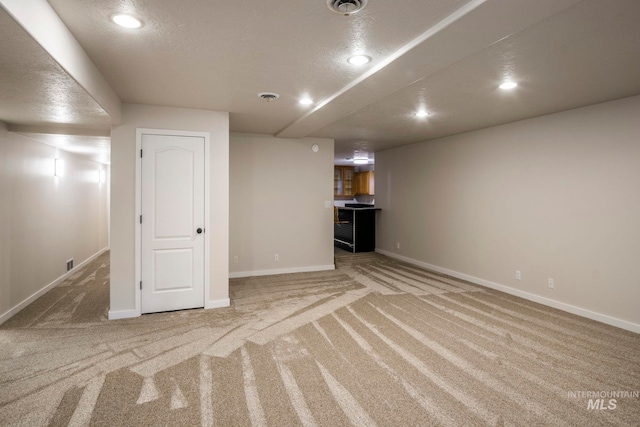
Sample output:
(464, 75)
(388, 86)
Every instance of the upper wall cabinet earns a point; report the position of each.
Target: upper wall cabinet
(344, 181)
(365, 183)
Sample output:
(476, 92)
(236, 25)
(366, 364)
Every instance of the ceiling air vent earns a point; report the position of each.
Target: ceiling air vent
(269, 96)
(346, 7)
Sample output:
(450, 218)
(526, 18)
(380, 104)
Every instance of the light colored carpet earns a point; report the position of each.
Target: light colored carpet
(376, 342)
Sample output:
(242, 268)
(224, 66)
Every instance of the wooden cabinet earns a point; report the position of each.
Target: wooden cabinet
(365, 183)
(344, 181)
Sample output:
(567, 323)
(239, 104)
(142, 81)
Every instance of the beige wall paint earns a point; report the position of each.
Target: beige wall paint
(45, 220)
(123, 170)
(554, 197)
(277, 204)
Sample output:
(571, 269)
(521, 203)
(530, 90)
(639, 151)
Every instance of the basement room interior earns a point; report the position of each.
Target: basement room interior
(319, 213)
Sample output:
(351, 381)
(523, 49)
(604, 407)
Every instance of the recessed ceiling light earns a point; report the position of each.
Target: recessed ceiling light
(508, 85)
(126, 21)
(306, 101)
(359, 60)
(360, 161)
(422, 114)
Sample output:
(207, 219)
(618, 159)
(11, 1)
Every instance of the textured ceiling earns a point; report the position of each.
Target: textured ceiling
(587, 54)
(219, 54)
(447, 56)
(35, 90)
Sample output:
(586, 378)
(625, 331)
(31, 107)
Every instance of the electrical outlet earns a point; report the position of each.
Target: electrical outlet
(551, 283)
(235, 259)
(518, 275)
(70, 264)
(398, 245)
(276, 257)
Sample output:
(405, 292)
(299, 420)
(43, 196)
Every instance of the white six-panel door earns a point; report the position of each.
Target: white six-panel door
(172, 229)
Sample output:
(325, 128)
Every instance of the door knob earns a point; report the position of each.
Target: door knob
(199, 230)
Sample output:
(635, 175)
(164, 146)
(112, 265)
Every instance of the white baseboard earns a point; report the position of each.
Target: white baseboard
(128, 314)
(281, 271)
(14, 310)
(219, 303)
(123, 314)
(622, 324)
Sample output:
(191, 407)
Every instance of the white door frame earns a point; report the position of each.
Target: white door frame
(138, 226)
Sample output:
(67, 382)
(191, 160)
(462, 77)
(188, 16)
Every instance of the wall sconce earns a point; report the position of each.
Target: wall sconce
(57, 167)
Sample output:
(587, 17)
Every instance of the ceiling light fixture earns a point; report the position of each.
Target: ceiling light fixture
(360, 157)
(359, 60)
(306, 101)
(422, 114)
(268, 96)
(346, 7)
(508, 85)
(126, 21)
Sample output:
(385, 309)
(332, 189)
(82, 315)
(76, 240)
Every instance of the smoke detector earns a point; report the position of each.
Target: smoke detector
(346, 7)
(269, 96)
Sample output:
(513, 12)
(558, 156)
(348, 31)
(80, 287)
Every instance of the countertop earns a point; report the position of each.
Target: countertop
(372, 208)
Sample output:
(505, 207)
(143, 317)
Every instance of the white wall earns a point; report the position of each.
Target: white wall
(123, 215)
(277, 204)
(45, 220)
(554, 197)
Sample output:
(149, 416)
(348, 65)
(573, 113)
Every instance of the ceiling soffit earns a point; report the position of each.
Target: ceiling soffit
(35, 89)
(441, 45)
(572, 59)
